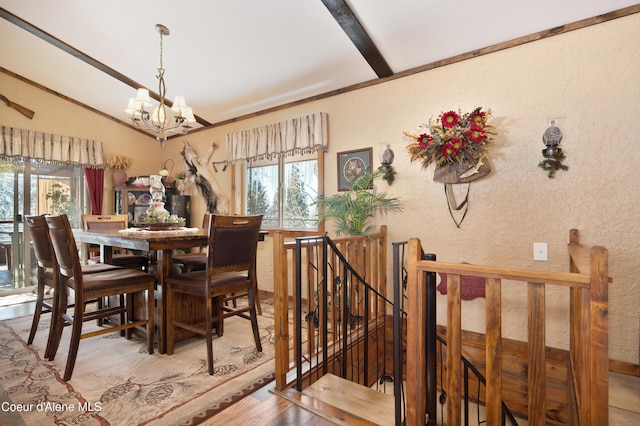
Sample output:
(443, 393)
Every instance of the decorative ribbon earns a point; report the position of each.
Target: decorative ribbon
(452, 203)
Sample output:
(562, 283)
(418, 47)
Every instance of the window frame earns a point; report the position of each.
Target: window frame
(239, 174)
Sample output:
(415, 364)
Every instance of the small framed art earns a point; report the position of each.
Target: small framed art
(351, 164)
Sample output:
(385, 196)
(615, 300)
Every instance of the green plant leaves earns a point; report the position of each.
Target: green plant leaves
(352, 209)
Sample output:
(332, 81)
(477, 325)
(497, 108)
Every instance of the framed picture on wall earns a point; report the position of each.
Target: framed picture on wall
(351, 164)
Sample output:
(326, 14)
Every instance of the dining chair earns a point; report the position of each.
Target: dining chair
(91, 222)
(196, 260)
(123, 281)
(47, 276)
(231, 269)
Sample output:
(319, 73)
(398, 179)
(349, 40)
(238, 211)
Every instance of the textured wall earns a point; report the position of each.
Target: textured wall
(588, 80)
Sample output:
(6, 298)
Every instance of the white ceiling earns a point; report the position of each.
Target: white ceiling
(230, 58)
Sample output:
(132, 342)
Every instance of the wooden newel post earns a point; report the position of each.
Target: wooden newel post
(416, 341)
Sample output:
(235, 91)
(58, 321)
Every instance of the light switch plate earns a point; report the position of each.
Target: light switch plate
(540, 252)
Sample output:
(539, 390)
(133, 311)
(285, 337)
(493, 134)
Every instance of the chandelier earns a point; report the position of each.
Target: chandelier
(157, 121)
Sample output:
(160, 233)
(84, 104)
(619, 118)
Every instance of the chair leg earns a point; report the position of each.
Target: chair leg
(209, 330)
(101, 305)
(256, 294)
(76, 332)
(38, 311)
(124, 317)
(217, 311)
(55, 315)
(254, 320)
(170, 328)
(129, 314)
(150, 318)
(58, 321)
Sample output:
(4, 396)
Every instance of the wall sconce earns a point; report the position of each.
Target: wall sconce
(552, 153)
(386, 158)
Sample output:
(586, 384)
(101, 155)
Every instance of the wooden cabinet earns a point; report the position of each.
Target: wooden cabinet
(134, 201)
(180, 205)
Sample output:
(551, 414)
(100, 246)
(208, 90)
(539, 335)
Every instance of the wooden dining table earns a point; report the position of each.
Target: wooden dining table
(160, 244)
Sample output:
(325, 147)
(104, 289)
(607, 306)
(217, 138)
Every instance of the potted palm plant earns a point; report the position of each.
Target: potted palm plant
(352, 209)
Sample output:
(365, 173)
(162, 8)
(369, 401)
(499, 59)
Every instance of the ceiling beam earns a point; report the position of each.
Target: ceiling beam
(355, 31)
(82, 56)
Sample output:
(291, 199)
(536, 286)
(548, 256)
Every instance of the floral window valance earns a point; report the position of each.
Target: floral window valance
(300, 135)
(17, 145)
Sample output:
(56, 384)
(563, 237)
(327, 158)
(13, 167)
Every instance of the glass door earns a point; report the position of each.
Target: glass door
(10, 229)
(50, 190)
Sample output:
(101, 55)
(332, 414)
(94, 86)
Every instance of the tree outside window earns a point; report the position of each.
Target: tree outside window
(290, 205)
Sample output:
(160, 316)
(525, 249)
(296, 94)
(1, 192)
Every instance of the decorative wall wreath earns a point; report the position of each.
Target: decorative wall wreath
(457, 144)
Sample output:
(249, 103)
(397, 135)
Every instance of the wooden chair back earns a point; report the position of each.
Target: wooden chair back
(96, 222)
(42, 247)
(64, 247)
(232, 244)
(205, 225)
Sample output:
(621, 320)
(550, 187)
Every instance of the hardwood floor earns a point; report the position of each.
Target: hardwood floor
(18, 310)
(265, 408)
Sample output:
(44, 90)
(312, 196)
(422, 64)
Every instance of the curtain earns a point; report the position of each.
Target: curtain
(17, 145)
(300, 135)
(95, 185)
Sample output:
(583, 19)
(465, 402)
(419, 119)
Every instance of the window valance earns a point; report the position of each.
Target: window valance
(17, 145)
(300, 135)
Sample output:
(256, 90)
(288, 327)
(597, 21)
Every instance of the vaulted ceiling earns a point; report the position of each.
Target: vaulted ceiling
(236, 58)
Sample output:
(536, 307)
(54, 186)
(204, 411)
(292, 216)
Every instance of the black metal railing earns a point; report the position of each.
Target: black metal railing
(342, 324)
(342, 327)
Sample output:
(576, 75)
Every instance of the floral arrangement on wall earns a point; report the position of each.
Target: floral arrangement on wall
(453, 137)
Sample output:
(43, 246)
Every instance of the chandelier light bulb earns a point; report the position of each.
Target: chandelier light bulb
(131, 107)
(179, 105)
(188, 115)
(158, 117)
(143, 99)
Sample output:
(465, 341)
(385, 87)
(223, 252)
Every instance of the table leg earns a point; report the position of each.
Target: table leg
(163, 270)
(106, 257)
(106, 254)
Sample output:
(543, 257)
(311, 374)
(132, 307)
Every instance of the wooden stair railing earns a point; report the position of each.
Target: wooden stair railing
(370, 263)
(588, 283)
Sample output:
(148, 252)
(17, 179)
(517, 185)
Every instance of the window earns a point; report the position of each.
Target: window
(284, 190)
(283, 178)
(52, 189)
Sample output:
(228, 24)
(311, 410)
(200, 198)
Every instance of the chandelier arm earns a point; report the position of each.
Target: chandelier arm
(145, 122)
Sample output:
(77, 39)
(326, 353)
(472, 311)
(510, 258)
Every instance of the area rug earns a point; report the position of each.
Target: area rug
(116, 382)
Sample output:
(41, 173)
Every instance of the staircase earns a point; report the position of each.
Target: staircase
(341, 401)
(343, 325)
